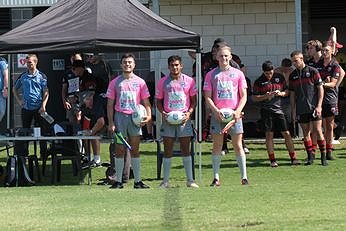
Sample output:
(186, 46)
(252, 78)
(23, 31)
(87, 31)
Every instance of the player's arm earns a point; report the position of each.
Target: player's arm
(341, 77)
(320, 91)
(147, 106)
(110, 115)
(241, 105)
(66, 104)
(193, 103)
(293, 105)
(210, 104)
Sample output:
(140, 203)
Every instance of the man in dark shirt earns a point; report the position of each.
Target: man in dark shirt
(95, 109)
(269, 89)
(69, 91)
(306, 95)
(330, 72)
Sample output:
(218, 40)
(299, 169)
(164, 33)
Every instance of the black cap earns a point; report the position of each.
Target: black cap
(78, 63)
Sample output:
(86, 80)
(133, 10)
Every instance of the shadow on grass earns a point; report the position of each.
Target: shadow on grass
(171, 214)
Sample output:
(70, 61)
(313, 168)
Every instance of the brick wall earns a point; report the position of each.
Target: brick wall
(257, 30)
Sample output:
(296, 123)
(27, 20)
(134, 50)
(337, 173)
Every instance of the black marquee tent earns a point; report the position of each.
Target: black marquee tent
(100, 26)
(97, 26)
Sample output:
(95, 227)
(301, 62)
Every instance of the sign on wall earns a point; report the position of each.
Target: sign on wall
(58, 64)
(21, 60)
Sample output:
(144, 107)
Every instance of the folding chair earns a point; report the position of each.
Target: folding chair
(60, 150)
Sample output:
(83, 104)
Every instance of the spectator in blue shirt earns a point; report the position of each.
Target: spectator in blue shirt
(3, 86)
(33, 86)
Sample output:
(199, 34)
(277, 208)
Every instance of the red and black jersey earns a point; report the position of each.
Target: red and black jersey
(311, 62)
(263, 85)
(304, 84)
(332, 70)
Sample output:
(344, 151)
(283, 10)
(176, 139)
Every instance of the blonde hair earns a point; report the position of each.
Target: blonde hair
(34, 56)
(224, 48)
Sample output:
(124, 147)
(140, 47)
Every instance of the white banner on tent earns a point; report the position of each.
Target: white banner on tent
(21, 60)
(58, 64)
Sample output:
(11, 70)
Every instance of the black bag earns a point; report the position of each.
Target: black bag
(17, 173)
(11, 172)
(21, 147)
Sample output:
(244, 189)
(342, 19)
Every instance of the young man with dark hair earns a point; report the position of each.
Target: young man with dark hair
(124, 94)
(306, 96)
(269, 89)
(176, 92)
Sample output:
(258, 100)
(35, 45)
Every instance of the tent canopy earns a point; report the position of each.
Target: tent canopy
(97, 26)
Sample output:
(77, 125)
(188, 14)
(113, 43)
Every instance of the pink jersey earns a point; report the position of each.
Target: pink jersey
(225, 87)
(127, 93)
(176, 93)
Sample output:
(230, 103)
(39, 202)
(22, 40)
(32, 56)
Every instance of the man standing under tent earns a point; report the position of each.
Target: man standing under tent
(33, 86)
(70, 90)
(306, 96)
(225, 87)
(176, 92)
(124, 94)
(269, 89)
(3, 86)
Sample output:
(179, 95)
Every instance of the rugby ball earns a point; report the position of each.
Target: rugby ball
(175, 117)
(138, 115)
(227, 114)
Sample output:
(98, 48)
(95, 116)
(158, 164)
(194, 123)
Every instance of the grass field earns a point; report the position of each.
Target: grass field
(284, 198)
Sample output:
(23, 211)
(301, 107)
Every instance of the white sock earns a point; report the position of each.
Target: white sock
(97, 158)
(216, 161)
(187, 161)
(166, 162)
(241, 160)
(136, 167)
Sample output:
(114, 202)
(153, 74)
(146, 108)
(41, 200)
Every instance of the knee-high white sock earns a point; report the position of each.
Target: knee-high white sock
(216, 161)
(136, 167)
(241, 160)
(119, 167)
(187, 161)
(166, 162)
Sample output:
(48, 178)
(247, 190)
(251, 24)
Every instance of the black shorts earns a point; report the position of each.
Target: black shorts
(306, 118)
(273, 121)
(329, 110)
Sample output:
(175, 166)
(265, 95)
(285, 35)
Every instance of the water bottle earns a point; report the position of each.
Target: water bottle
(47, 117)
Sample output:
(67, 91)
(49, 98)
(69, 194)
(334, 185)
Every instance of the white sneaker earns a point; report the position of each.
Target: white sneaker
(192, 184)
(246, 150)
(164, 185)
(336, 142)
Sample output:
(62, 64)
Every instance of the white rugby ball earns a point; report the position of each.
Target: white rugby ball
(227, 114)
(175, 117)
(139, 114)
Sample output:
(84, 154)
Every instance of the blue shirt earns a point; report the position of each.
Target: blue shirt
(32, 87)
(3, 67)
